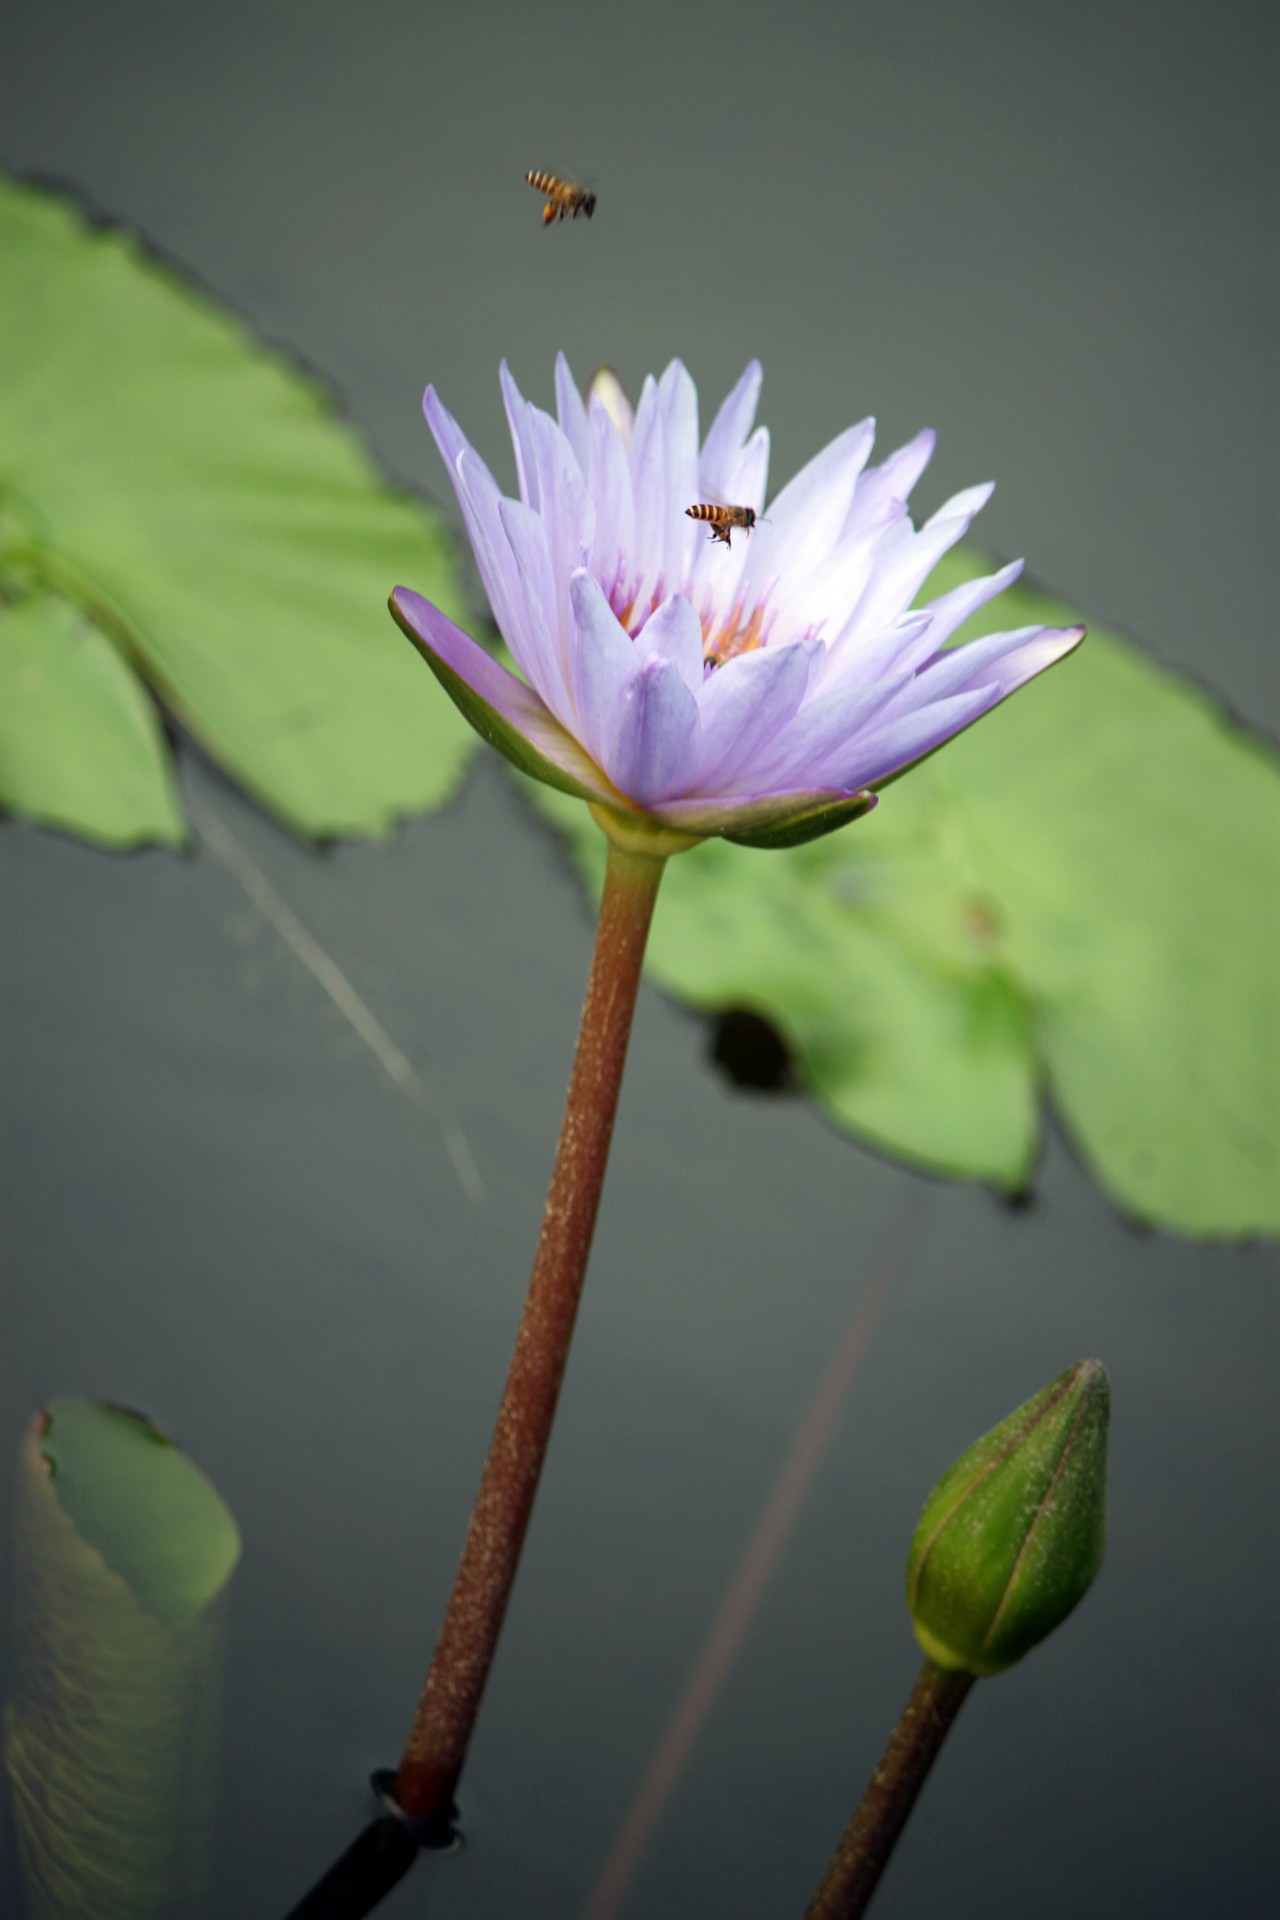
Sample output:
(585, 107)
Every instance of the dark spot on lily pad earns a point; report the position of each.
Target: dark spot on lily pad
(1022, 1199)
(751, 1053)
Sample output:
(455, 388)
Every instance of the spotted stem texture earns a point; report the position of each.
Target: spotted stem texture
(437, 1747)
(883, 1811)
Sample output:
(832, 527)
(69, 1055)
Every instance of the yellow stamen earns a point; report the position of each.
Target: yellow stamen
(732, 637)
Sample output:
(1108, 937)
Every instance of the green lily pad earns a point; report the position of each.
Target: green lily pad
(81, 746)
(122, 1557)
(195, 499)
(1077, 897)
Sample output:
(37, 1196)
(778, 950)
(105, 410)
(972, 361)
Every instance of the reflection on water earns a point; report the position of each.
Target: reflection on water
(122, 1555)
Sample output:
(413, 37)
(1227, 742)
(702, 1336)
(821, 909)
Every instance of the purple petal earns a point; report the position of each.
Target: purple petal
(678, 402)
(448, 435)
(724, 442)
(609, 484)
(950, 610)
(563, 501)
(674, 633)
(479, 490)
(1003, 660)
(543, 656)
(603, 665)
(891, 481)
(806, 519)
(568, 520)
(648, 490)
(971, 666)
(917, 638)
(819, 595)
(570, 411)
(905, 558)
(743, 706)
(856, 656)
(654, 751)
(890, 748)
(1053, 644)
(749, 476)
(518, 420)
(480, 501)
(831, 473)
(519, 706)
(497, 687)
(678, 399)
(822, 732)
(716, 568)
(481, 505)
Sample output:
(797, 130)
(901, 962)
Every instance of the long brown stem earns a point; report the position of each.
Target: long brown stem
(437, 1745)
(883, 1811)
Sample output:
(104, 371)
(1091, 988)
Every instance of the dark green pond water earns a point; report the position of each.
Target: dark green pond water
(1042, 231)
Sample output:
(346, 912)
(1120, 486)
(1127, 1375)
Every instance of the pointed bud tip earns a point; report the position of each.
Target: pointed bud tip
(1012, 1537)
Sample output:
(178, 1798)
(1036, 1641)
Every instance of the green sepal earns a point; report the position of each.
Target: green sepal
(1012, 1537)
(490, 724)
(807, 826)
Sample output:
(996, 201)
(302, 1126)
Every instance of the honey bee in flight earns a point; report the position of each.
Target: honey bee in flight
(722, 520)
(563, 198)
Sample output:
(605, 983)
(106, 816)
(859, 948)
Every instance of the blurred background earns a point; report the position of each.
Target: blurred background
(1049, 233)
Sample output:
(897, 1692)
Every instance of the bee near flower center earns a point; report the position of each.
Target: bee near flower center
(724, 639)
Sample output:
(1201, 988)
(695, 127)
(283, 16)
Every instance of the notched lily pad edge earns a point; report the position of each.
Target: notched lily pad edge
(188, 282)
(330, 405)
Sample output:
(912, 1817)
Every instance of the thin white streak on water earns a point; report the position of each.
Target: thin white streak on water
(326, 972)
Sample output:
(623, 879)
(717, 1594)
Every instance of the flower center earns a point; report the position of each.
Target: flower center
(724, 635)
(632, 612)
(724, 640)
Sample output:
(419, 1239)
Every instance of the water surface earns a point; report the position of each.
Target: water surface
(1039, 233)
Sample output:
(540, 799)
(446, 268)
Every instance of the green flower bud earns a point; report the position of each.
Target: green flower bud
(1012, 1537)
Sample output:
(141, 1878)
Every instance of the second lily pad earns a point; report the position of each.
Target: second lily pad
(1076, 897)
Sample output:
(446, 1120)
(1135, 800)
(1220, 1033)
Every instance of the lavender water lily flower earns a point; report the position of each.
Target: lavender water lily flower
(761, 690)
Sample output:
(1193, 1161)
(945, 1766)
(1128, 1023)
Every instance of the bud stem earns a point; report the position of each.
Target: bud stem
(437, 1746)
(885, 1807)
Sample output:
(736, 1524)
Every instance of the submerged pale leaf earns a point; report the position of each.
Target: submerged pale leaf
(122, 1555)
